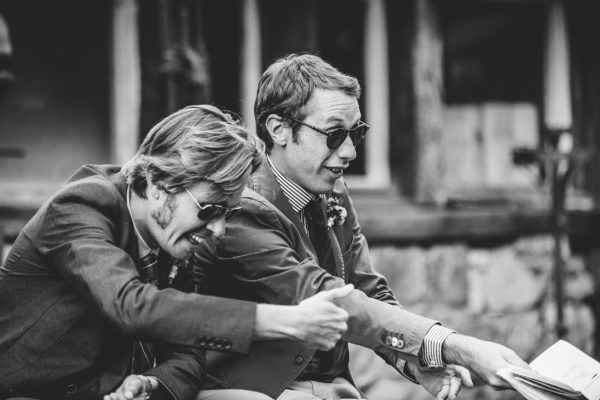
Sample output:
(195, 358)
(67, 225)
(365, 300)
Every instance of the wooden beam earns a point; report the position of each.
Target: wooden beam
(126, 82)
(377, 95)
(251, 65)
(427, 72)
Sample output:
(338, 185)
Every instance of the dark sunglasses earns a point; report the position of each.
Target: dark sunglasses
(336, 136)
(208, 212)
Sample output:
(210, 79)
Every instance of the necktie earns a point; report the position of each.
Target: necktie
(142, 358)
(317, 231)
(316, 219)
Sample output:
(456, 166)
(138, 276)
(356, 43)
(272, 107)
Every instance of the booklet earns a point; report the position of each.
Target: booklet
(561, 372)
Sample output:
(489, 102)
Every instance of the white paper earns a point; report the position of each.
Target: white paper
(561, 372)
(566, 363)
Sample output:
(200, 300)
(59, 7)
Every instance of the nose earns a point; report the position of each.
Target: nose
(217, 226)
(347, 151)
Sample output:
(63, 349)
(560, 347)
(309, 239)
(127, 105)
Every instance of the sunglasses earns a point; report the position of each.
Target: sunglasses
(209, 211)
(336, 136)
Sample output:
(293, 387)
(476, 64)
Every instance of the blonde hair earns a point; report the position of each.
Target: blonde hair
(198, 143)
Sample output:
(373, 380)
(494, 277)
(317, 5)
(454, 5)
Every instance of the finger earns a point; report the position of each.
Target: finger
(335, 328)
(335, 294)
(329, 313)
(325, 345)
(443, 393)
(454, 387)
(513, 359)
(330, 342)
(464, 375)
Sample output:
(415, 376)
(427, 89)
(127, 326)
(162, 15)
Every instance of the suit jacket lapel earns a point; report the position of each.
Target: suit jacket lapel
(263, 182)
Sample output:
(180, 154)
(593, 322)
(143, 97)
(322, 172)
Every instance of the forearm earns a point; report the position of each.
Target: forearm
(316, 321)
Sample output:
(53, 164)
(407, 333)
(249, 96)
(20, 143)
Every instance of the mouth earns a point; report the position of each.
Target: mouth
(336, 170)
(195, 239)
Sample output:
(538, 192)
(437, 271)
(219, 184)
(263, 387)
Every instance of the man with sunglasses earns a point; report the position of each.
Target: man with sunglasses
(298, 234)
(96, 282)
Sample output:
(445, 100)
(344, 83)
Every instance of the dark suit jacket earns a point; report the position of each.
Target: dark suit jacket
(71, 302)
(266, 255)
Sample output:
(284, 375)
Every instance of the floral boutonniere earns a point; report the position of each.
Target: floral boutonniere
(336, 213)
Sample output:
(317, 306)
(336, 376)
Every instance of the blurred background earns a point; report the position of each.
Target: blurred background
(478, 185)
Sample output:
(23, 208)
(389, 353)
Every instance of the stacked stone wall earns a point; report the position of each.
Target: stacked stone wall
(504, 294)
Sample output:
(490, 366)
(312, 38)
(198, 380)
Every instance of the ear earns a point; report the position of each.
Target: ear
(152, 191)
(279, 131)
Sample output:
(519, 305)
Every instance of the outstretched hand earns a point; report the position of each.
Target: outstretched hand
(443, 384)
(482, 358)
(134, 387)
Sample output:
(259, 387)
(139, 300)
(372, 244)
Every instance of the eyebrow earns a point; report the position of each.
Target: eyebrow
(341, 120)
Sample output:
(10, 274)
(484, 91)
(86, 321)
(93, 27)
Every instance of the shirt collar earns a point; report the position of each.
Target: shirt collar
(296, 195)
(143, 248)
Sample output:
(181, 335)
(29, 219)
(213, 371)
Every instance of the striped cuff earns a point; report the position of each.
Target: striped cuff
(431, 351)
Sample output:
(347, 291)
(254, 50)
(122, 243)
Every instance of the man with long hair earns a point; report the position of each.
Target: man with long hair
(95, 294)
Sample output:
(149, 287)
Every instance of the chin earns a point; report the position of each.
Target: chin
(326, 187)
(180, 253)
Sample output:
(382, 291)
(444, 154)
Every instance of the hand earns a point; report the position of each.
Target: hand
(482, 358)
(316, 321)
(443, 384)
(134, 387)
(322, 322)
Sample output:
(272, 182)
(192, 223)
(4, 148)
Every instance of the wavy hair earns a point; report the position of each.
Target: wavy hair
(288, 84)
(198, 143)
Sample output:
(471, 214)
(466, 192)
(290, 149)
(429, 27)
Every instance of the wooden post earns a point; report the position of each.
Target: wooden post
(377, 94)
(427, 72)
(251, 60)
(126, 82)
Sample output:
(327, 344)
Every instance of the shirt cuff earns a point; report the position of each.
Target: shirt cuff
(431, 350)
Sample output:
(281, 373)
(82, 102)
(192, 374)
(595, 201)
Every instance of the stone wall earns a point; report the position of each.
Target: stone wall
(503, 294)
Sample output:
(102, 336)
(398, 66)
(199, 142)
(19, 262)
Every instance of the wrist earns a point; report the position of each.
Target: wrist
(455, 349)
(149, 383)
(272, 322)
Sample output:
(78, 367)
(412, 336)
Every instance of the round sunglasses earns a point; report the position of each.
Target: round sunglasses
(210, 211)
(336, 136)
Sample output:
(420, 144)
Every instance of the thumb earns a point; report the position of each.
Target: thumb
(132, 386)
(336, 293)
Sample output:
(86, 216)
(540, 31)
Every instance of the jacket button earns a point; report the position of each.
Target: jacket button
(388, 340)
(400, 343)
(299, 359)
(227, 345)
(71, 389)
(395, 341)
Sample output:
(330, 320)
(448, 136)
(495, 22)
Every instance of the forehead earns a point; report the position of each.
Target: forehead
(332, 105)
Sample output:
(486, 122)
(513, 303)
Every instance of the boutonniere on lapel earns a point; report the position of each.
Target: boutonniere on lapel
(336, 213)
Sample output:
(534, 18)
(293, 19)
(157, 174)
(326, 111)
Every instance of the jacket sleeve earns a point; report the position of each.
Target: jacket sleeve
(179, 369)
(358, 259)
(263, 252)
(81, 237)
